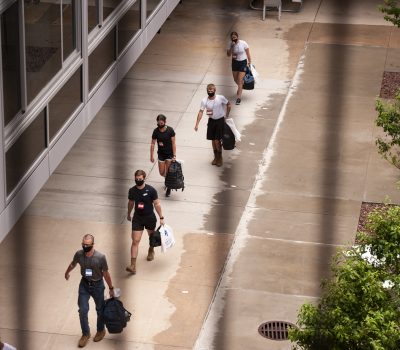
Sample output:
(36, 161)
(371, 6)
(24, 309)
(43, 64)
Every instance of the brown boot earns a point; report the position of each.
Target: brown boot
(84, 340)
(150, 254)
(219, 159)
(214, 162)
(132, 267)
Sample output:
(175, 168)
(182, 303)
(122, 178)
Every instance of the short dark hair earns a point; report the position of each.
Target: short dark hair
(161, 117)
(235, 33)
(88, 236)
(140, 173)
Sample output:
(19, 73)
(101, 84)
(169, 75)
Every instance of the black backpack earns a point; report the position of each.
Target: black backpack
(115, 315)
(248, 80)
(174, 178)
(228, 138)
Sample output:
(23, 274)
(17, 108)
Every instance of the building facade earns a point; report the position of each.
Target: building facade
(60, 61)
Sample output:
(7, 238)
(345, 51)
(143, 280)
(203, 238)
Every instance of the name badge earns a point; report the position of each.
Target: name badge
(234, 56)
(88, 272)
(209, 111)
(140, 205)
(161, 144)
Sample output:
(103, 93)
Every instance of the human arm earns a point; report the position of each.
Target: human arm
(173, 147)
(157, 207)
(107, 277)
(199, 116)
(248, 55)
(228, 109)
(70, 267)
(153, 142)
(130, 207)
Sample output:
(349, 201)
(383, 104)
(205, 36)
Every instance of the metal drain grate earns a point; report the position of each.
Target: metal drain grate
(275, 330)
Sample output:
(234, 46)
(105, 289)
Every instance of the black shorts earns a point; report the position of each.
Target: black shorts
(164, 157)
(215, 128)
(239, 66)
(139, 223)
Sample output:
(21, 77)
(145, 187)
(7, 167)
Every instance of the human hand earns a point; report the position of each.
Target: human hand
(162, 222)
(112, 293)
(152, 159)
(196, 128)
(128, 217)
(66, 276)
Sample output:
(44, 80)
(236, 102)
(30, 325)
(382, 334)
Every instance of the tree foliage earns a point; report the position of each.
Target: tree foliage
(389, 120)
(360, 305)
(391, 9)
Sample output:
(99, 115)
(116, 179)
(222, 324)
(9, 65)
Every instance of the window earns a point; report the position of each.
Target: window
(42, 44)
(128, 26)
(11, 62)
(151, 6)
(64, 103)
(101, 58)
(93, 14)
(69, 27)
(23, 153)
(109, 6)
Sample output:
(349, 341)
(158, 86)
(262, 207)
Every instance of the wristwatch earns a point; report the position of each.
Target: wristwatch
(161, 217)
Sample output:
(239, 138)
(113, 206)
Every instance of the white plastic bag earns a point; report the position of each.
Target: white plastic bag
(235, 131)
(254, 72)
(167, 238)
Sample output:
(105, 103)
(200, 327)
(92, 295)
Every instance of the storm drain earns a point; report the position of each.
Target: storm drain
(275, 330)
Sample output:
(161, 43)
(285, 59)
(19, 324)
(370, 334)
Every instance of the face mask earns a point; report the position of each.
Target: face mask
(211, 94)
(87, 248)
(139, 182)
(235, 40)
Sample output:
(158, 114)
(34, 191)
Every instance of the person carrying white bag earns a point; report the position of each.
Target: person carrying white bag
(167, 237)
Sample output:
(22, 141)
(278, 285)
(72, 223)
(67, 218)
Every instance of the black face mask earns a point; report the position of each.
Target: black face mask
(235, 40)
(139, 182)
(211, 94)
(87, 248)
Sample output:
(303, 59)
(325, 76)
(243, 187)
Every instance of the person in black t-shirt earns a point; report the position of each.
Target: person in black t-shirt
(143, 199)
(166, 147)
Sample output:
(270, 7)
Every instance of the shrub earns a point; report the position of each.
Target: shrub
(360, 305)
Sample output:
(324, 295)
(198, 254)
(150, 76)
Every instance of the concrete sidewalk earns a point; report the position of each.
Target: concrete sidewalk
(258, 232)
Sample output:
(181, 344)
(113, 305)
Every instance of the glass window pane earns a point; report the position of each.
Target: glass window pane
(65, 103)
(151, 6)
(43, 44)
(128, 26)
(93, 14)
(25, 151)
(69, 27)
(109, 6)
(101, 58)
(11, 62)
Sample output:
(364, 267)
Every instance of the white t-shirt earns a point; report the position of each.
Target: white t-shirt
(238, 50)
(8, 347)
(215, 108)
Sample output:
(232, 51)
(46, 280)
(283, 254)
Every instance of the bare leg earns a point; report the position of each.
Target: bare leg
(136, 237)
(161, 168)
(240, 84)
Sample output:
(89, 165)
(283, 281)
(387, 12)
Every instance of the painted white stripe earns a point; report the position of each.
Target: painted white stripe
(205, 341)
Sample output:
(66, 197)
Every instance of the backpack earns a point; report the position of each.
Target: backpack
(248, 80)
(174, 178)
(155, 238)
(115, 315)
(228, 138)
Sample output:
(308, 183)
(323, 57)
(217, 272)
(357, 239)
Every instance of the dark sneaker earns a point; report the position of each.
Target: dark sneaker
(84, 340)
(238, 100)
(99, 335)
(168, 193)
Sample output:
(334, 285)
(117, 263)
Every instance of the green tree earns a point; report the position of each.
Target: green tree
(389, 120)
(392, 11)
(360, 305)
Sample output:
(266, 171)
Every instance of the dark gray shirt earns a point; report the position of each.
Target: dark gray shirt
(92, 267)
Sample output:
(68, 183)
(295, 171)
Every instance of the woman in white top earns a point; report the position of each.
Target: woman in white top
(240, 52)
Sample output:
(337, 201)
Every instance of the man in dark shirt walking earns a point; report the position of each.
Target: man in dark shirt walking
(144, 199)
(93, 269)
(164, 136)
